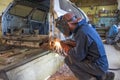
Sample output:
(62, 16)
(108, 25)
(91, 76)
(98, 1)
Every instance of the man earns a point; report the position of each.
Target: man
(87, 60)
(113, 31)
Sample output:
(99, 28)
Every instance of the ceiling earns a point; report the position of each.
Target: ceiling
(84, 3)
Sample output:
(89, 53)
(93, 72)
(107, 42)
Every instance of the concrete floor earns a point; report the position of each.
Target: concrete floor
(114, 59)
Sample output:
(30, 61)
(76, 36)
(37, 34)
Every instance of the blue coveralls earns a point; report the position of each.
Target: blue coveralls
(88, 58)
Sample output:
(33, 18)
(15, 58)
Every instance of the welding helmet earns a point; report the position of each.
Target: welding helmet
(62, 23)
(71, 18)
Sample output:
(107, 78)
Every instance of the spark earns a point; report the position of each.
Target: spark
(56, 46)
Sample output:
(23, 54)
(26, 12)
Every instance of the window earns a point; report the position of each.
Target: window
(38, 15)
(20, 10)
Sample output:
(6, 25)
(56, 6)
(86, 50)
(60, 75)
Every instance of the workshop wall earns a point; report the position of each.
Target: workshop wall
(3, 5)
(95, 9)
(98, 13)
(0, 28)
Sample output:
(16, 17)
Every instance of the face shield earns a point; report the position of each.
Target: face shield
(63, 26)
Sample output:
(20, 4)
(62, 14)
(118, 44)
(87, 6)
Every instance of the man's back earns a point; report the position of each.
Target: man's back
(95, 47)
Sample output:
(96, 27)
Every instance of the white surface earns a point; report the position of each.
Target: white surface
(118, 4)
(38, 69)
(57, 8)
(114, 59)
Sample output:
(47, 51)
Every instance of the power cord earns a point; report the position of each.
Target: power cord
(115, 69)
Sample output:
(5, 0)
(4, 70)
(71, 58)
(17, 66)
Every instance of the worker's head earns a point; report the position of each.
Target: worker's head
(67, 23)
(71, 20)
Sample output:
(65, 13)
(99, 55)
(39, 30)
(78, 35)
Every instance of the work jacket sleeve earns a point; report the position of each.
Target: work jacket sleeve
(79, 52)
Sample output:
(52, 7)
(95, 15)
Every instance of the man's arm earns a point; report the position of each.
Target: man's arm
(79, 52)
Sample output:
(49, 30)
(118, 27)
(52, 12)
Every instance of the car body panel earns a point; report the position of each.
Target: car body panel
(32, 20)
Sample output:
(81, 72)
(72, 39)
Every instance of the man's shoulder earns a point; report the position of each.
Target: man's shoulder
(86, 28)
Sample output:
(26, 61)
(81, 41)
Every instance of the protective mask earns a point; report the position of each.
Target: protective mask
(63, 26)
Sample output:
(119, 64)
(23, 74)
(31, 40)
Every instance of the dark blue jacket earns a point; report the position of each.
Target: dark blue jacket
(89, 46)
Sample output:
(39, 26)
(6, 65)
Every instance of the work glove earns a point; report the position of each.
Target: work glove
(65, 48)
(67, 45)
(70, 42)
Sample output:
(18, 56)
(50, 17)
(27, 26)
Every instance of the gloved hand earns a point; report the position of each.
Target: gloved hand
(70, 42)
(65, 47)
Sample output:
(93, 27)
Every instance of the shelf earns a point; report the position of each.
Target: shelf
(102, 32)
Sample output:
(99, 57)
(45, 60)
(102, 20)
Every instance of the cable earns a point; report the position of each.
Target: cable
(115, 69)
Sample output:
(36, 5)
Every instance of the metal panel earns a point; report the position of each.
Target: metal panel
(38, 69)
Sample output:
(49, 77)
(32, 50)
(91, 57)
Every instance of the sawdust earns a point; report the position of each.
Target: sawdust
(64, 73)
